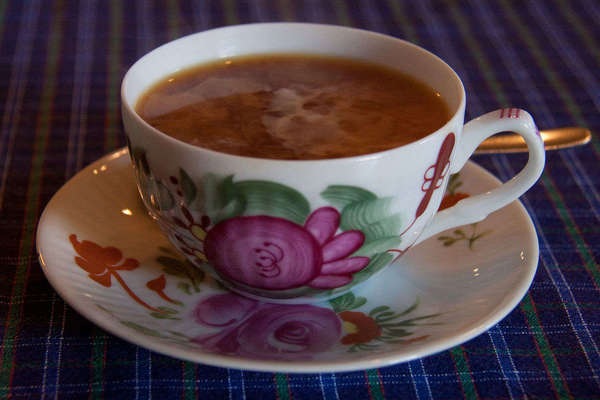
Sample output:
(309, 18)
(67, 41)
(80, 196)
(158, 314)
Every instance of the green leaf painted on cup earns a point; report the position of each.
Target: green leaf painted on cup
(359, 215)
(342, 195)
(274, 199)
(210, 195)
(233, 208)
(381, 229)
(188, 187)
(231, 202)
(227, 191)
(380, 245)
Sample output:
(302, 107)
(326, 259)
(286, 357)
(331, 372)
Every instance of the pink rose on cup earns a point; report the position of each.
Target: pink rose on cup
(276, 254)
(263, 330)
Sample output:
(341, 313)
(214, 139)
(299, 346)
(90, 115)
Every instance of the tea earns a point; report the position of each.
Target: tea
(293, 107)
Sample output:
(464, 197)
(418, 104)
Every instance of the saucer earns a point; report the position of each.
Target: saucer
(107, 259)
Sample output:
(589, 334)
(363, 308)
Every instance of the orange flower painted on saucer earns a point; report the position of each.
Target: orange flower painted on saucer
(368, 331)
(102, 263)
(360, 327)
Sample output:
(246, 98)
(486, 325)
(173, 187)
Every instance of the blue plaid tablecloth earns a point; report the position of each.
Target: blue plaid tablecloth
(61, 63)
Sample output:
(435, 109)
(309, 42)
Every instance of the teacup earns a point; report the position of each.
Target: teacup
(294, 231)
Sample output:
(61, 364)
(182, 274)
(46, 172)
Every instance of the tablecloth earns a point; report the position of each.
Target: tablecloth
(61, 63)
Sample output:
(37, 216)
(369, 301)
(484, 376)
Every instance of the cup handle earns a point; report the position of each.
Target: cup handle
(476, 208)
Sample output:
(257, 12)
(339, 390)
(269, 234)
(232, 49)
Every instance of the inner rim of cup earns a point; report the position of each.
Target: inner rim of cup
(292, 38)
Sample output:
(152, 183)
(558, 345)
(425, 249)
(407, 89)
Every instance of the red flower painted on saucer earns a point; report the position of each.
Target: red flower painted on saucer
(102, 263)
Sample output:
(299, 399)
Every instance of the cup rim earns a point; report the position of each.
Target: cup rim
(457, 114)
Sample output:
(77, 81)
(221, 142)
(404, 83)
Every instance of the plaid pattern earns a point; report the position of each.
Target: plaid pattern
(61, 63)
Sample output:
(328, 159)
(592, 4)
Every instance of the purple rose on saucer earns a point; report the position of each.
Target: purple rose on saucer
(262, 330)
(276, 254)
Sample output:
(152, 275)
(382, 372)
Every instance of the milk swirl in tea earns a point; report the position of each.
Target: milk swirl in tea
(293, 107)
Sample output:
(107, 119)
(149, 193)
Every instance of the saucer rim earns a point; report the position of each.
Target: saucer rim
(112, 326)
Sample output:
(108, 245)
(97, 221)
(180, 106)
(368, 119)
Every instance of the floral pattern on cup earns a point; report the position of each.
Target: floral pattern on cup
(274, 253)
(262, 238)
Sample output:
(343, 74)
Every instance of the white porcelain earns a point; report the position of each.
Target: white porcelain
(295, 236)
(142, 290)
